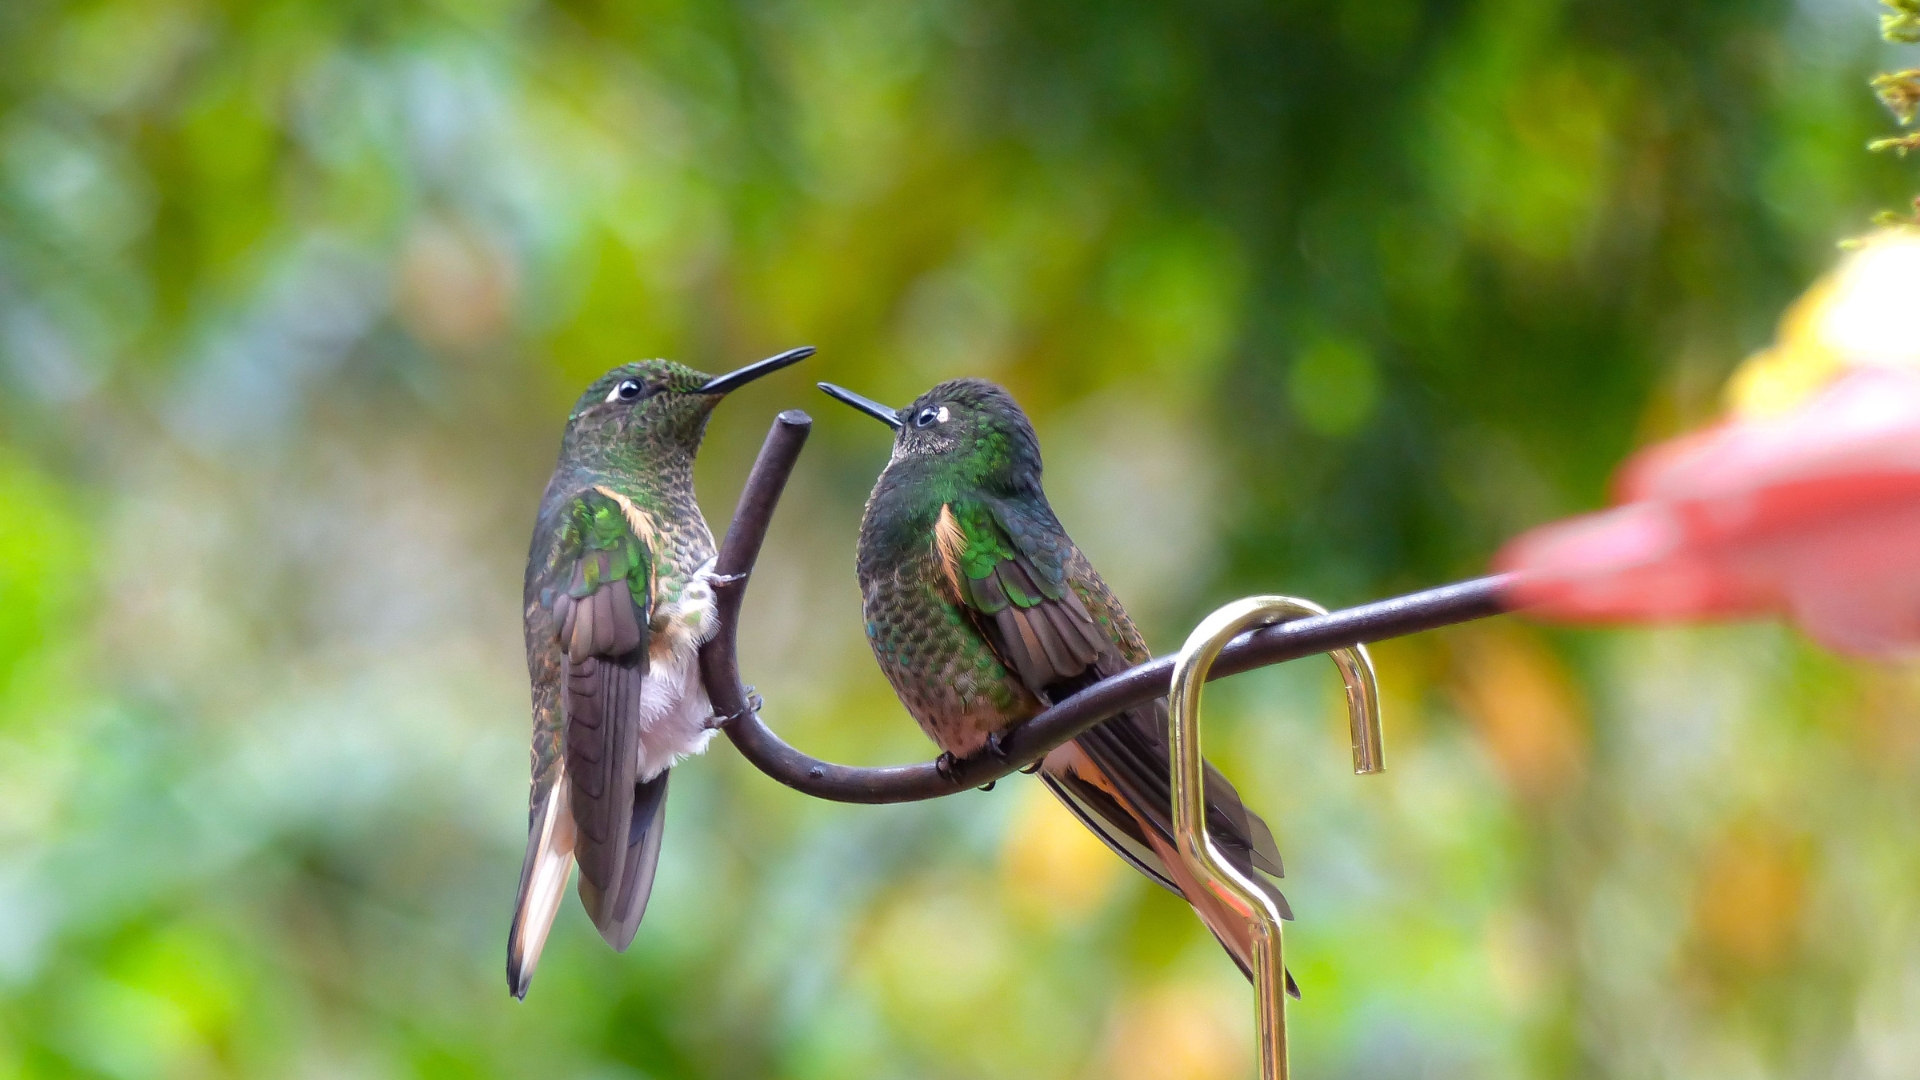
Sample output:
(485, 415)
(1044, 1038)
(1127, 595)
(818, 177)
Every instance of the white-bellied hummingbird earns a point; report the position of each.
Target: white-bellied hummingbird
(618, 600)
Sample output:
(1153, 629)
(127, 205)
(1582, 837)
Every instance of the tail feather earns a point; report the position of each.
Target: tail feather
(1131, 751)
(1097, 810)
(1234, 933)
(543, 882)
(629, 902)
(1112, 811)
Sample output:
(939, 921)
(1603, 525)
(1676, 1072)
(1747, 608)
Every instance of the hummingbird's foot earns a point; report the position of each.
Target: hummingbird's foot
(754, 704)
(946, 765)
(996, 746)
(726, 579)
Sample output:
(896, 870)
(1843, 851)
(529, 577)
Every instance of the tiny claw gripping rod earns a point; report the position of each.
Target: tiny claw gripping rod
(1189, 795)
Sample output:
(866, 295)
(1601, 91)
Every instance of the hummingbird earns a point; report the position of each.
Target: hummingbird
(618, 600)
(982, 611)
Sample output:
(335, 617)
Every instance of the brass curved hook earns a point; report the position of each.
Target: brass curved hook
(1189, 794)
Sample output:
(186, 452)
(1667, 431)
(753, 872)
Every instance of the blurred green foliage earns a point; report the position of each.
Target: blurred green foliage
(1320, 296)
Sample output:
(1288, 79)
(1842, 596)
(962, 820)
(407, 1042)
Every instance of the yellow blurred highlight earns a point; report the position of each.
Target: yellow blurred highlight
(1885, 721)
(1750, 897)
(1407, 667)
(1182, 1031)
(1052, 868)
(1861, 314)
(1524, 706)
(1519, 958)
(949, 927)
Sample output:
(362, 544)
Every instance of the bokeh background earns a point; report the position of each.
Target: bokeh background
(1317, 296)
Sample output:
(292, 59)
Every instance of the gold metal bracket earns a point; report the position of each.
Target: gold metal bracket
(1189, 796)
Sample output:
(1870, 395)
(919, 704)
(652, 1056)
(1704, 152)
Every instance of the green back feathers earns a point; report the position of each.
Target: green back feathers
(989, 569)
(596, 525)
(983, 545)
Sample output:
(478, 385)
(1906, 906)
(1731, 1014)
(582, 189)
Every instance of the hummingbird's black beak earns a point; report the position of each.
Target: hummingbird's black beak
(734, 380)
(867, 405)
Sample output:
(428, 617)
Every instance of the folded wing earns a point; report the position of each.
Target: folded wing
(1012, 572)
(588, 606)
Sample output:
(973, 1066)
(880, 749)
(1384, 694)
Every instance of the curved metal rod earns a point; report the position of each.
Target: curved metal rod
(1256, 905)
(719, 665)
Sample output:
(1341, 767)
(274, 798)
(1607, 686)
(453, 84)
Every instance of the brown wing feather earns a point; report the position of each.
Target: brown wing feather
(1071, 634)
(1004, 635)
(605, 639)
(1030, 630)
(1050, 642)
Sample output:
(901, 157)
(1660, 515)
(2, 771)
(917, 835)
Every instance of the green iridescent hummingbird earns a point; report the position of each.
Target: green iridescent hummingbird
(618, 600)
(982, 612)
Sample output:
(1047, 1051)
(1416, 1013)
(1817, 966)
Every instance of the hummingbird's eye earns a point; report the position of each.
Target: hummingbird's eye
(930, 416)
(628, 390)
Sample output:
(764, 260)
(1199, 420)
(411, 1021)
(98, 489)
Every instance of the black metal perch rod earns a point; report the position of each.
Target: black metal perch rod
(720, 667)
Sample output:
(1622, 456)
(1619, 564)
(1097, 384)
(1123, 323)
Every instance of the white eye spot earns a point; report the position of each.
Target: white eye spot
(943, 416)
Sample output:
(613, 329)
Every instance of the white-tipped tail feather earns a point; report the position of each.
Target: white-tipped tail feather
(543, 882)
